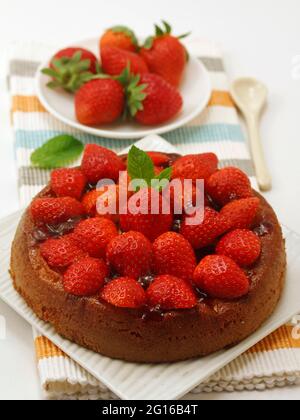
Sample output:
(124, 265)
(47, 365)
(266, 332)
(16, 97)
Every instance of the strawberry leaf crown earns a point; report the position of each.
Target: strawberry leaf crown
(126, 31)
(135, 92)
(69, 73)
(166, 29)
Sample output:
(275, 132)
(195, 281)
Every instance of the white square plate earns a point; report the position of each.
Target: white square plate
(142, 381)
(132, 381)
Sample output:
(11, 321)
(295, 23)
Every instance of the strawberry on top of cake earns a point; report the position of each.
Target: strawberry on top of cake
(135, 260)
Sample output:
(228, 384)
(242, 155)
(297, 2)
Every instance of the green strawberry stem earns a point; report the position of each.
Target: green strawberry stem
(162, 31)
(135, 92)
(127, 31)
(69, 73)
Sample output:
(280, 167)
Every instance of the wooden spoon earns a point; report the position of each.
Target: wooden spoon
(250, 96)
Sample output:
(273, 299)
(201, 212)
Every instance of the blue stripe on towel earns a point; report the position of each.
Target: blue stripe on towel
(205, 133)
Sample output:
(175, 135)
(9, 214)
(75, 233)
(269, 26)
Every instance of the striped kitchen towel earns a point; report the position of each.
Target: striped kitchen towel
(273, 362)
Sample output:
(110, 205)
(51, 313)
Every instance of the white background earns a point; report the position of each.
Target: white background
(260, 38)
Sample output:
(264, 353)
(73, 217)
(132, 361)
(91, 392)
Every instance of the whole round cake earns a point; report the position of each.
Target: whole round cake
(115, 275)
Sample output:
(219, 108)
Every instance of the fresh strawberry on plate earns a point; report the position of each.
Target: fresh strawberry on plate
(95, 115)
(115, 60)
(119, 37)
(70, 68)
(165, 55)
(100, 101)
(152, 100)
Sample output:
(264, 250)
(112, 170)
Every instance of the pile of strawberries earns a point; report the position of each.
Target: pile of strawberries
(155, 260)
(128, 80)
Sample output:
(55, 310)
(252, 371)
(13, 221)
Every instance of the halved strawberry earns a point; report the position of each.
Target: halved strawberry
(242, 245)
(220, 277)
(62, 252)
(158, 158)
(205, 233)
(99, 163)
(53, 211)
(184, 196)
(68, 182)
(89, 202)
(194, 167)
(229, 184)
(142, 219)
(124, 292)
(174, 255)
(102, 203)
(240, 214)
(169, 292)
(93, 235)
(85, 277)
(130, 254)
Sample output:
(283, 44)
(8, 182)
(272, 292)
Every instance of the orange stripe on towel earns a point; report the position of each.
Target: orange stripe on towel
(26, 104)
(32, 104)
(280, 339)
(221, 98)
(45, 349)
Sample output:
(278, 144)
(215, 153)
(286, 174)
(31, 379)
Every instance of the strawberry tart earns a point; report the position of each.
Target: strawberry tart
(146, 287)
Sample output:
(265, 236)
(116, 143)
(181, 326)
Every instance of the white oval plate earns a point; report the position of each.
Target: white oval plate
(195, 89)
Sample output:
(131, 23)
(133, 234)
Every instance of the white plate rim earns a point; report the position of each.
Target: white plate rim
(111, 134)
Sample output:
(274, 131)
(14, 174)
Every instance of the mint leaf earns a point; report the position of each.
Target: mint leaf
(57, 152)
(165, 174)
(140, 165)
